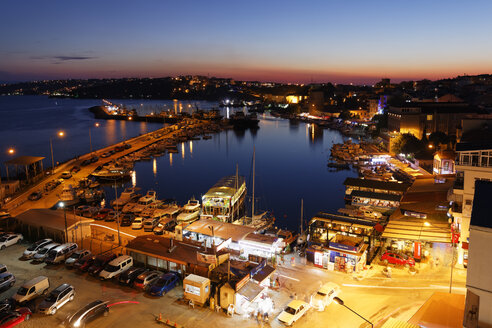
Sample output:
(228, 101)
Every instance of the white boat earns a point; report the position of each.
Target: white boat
(126, 196)
(113, 173)
(68, 196)
(145, 201)
(128, 208)
(190, 212)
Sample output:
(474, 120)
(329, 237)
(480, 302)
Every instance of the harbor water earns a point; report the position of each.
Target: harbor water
(291, 157)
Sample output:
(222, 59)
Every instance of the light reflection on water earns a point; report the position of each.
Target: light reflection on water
(290, 158)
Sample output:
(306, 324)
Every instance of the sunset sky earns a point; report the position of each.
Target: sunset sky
(287, 41)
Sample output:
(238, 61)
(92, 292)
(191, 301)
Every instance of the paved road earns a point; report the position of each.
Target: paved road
(384, 297)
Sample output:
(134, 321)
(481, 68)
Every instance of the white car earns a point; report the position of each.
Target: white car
(137, 223)
(34, 248)
(324, 296)
(10, 239)
(293, 312)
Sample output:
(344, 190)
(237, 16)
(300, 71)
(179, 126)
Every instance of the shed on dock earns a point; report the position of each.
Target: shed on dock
(32, 166)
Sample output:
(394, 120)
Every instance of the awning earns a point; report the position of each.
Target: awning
(251, 290)
(418, 230)
(264, 273)
(24, 160)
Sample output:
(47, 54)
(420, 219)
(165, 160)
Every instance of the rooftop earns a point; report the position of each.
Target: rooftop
(383, 185)
(222, 230)
(48, 218)
(226, 187)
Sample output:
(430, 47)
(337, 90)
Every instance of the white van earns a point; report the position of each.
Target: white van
(116, 266)
(60, 253)
(32, 289)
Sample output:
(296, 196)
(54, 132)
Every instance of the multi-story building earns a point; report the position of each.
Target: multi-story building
(479, 280)
(473, 162)
(428, 117)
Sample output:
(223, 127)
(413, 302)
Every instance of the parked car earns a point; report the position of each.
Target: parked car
(43, 252)
(75, 169)
(84, 263)
(80, 209)
(145, 279)
(106, 154)
(86, 162)
(66, 175)
(7, 304)
(78, 254)
(94, 159)
(137, 223)
(33, 248)
(10, 239)
(100, 262)
(3, 268)
(116, 266)
(111, 216)
(398, 259)
(32, 289)
(13, 318)
(57, 298)
(61, 253)
(90, 212)
(324, 296)
(88, 313)
(127, 220)
(129, 276)
(293, 312)
(150, 223)
(35, 195)
(102, 214)
(7, 280)
(164, 284)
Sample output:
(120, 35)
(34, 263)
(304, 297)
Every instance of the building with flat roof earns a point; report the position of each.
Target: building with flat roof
(417, 117)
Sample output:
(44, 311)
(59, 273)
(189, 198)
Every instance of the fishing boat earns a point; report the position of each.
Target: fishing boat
(190, 212)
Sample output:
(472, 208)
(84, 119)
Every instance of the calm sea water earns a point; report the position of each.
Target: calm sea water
(290, 157)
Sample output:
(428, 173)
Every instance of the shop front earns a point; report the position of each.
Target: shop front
(344, 254)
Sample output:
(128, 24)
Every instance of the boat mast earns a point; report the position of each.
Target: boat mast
(302, 207)
(237, 185)
(253, 201)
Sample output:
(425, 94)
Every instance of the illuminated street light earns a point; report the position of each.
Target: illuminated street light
(62, 205)
(339, 301)
(431, 146)
(60, 134)
(11, 151)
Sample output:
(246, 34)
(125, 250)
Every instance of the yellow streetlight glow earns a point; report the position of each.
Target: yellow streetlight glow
(97, 125)
(11, 151)
(61, 133)
(431, 146)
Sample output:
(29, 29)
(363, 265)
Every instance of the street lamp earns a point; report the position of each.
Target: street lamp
(90, 136)
(60, 134)
(11, 151)
(339, 301)
(62, 205)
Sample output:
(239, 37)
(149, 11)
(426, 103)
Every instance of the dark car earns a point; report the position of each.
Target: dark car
(129, 276)
(13, 318)
(103, 213)
(7, 304)
(35, 195)
(75, 169)
(398, 259)
(84, 263)
(127, 146)
(127, 220)
(99, 263)
(86, 162)
(94, 159)
(88, 313)
(7, 280)
(110, 217)
(165, 283)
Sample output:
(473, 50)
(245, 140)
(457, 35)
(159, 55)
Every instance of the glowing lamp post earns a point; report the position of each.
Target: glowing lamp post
(60, 134)
(339, 301)
(62, 205)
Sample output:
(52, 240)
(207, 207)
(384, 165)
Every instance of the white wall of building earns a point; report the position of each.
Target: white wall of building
(479, 276)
